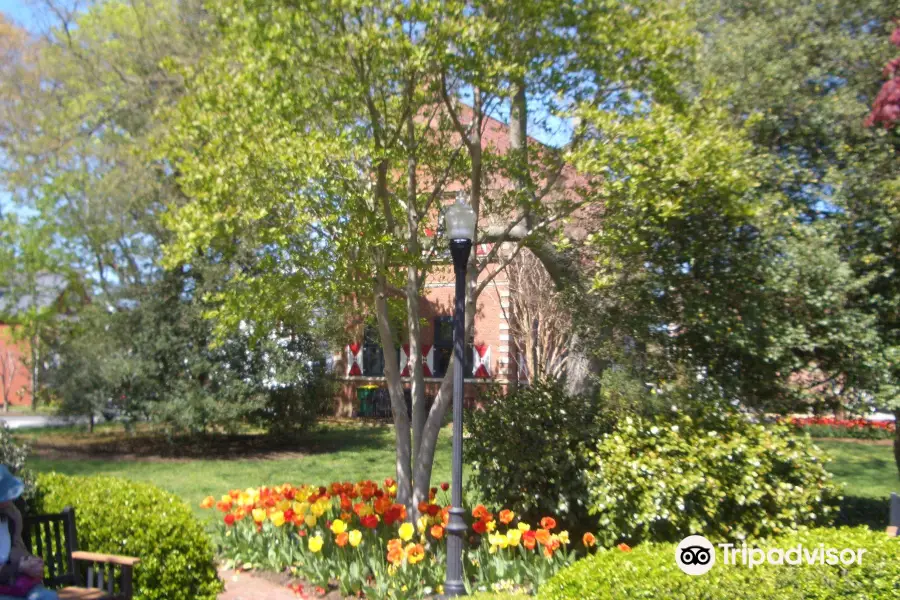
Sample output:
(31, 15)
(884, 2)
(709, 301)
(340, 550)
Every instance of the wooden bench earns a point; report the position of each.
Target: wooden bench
(76, 575)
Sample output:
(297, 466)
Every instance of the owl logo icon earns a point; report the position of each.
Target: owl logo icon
(695, 555)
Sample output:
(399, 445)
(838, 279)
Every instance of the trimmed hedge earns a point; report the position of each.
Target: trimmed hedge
(118, 516)
(649, 571)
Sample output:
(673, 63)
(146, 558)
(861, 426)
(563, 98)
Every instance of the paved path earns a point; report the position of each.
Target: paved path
(26, 421)
(244, 586)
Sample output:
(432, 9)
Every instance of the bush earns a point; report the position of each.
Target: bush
(117, 516)
(528, 450)
(724, 477)
(650, 571)
(13, 455)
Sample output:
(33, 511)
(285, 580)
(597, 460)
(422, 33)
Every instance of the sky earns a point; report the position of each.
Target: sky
(21, 12)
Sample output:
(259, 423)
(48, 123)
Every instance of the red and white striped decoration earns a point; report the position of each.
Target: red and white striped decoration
(427, 363)
(354, 359)
(482, 361)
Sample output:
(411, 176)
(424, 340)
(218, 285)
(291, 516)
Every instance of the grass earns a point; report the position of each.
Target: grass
(333, 452)
(867, 470)
(346, 451)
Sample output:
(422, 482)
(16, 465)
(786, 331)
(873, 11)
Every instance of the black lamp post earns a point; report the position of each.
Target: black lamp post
(460, 221)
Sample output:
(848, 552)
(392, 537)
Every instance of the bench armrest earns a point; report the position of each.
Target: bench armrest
(125, 561)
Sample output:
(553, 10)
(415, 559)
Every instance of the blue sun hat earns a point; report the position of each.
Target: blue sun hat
(11, 487)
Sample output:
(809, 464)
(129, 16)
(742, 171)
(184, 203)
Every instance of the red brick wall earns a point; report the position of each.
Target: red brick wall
(19, 391)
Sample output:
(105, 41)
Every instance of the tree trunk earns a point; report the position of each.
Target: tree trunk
(35, 367)
(395, 389)
(417, 373)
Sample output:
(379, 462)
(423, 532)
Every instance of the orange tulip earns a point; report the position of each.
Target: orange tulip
(588, 540)
(624, 547)
(506, 516)
(437, 532)
(548, 523)
(341, 539)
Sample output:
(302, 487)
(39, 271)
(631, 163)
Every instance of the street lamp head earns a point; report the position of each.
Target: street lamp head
(461, 219)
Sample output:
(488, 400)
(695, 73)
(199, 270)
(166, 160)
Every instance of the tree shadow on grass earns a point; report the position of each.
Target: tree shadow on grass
(154, 445)
(858, 511)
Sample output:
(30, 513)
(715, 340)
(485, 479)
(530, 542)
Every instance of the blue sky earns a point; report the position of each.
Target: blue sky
(22, 12)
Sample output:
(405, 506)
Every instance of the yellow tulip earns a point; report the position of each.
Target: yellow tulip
(259, 515)
(563, 537)
(315, 543)
(491, 525)
(338, 527)
(225, 498)
(514, 536)
(301, 508)
(277, 518)
(406, 532)
(355, 537)
(523, 527)
(422, 524)
(317, 509)
(283, 505)
(310, 521)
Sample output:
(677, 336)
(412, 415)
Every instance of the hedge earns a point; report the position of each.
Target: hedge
(649, 571)
(118, 516)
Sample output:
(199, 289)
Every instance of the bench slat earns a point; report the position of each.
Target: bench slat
(113, 559)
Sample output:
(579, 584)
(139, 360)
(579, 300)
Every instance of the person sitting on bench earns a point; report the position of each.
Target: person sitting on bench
(20, 572)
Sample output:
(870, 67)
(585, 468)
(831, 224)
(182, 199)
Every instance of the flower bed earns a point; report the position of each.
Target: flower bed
(356, 537)
(826, 427)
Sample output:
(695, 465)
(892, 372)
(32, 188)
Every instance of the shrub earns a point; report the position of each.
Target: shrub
(528, 450)
(13, 455)
(117, 516)
(724, 477)
(650, 571)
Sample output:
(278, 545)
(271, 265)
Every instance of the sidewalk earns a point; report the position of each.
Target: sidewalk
(244, 586)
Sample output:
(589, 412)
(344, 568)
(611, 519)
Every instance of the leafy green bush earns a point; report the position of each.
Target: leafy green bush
(13, 455)
(649, 571)
(118, 516)
(528, 451)
(723, 477)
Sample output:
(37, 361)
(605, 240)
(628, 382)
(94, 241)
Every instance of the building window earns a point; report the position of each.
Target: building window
(443, 348)
(373, 355)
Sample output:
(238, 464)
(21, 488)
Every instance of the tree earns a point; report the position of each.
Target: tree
(9, 368)
(319, 142)
(539, 319)
(821, 65)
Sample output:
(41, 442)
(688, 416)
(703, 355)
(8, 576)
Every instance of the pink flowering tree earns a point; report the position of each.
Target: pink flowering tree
(886, 108)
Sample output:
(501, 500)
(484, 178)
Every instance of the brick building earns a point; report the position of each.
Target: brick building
(49, 292)
(490, 351)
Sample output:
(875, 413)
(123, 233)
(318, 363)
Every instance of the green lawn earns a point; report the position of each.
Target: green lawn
(331, 453)
(350, 452)
(866, 470)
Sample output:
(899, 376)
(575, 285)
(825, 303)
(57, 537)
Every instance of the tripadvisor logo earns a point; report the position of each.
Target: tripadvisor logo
(695, 555)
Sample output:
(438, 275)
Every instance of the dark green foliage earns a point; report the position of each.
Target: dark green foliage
(723, 477)
(649, 571)
(118, 516)
(13, 455)
(152, 355)
(804, 75)
(527, 451)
